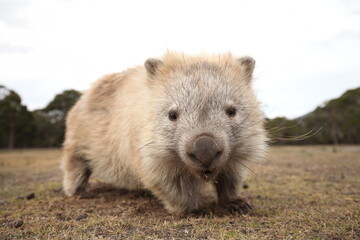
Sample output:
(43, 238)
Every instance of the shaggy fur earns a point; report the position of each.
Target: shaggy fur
(120, 131)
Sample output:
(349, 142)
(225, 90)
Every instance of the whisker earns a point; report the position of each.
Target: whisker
(304, 136)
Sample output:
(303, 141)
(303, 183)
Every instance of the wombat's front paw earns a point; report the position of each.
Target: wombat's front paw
(200, 212)
(238, 206)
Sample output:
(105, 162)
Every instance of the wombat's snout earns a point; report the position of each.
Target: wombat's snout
(204, 149)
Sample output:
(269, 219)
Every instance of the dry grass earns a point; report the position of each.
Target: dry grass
(298, 193)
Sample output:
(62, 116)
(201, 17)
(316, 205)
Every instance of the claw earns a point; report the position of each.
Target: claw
(239, 206)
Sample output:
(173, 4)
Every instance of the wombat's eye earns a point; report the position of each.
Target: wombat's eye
(231, 111)
(173, 116)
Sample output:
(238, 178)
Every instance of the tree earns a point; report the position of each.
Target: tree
(16, 122)
(336, 122)
(50, 121)
(62, 103)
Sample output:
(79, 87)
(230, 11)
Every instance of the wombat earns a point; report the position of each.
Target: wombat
(177, 126)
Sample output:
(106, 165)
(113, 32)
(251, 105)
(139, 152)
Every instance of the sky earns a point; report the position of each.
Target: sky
(307, 51)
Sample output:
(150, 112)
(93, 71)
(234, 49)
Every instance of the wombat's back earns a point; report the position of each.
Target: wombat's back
(102, 128)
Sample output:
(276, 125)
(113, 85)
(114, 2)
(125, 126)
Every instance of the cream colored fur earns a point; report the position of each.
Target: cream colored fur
(120, 133)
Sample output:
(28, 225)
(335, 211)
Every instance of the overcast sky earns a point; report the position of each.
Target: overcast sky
(306, 51)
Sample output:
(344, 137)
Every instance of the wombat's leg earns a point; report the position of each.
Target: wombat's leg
(226, 187)
(76, 174)
(179, 196)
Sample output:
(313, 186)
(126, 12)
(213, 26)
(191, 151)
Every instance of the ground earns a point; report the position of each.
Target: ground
(297, 192)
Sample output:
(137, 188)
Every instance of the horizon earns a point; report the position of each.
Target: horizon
(3, 93)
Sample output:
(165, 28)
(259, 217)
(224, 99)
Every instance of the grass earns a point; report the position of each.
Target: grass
(298, 193)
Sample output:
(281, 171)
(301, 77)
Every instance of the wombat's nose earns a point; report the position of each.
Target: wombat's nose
(205, 150)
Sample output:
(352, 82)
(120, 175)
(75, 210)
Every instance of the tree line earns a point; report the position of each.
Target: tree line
(43, 128)
(336, 122)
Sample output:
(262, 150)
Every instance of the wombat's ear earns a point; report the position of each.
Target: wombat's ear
(152, 65)
(248, 64)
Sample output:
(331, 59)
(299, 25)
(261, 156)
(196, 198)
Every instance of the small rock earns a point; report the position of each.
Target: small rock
(62, 217)
(30, 196)
(17, 223)
(81, 216)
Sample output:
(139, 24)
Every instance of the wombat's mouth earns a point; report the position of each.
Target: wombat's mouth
(207, 175)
